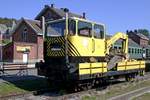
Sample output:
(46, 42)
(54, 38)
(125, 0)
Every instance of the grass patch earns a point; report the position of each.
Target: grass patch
(8, 88)
(88, 98)
(131, 87)
(145, 96)
(114, 91)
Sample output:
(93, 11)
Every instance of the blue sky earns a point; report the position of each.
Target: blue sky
(117, 15)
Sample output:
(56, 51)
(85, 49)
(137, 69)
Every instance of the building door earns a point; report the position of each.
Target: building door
(25, 57)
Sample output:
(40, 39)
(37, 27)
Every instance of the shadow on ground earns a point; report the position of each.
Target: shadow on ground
(35, 83)
(27, 82)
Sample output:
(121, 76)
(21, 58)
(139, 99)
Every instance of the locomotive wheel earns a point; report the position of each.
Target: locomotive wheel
(130, 77)
(77, 88)
(127, 78)
(87, 86)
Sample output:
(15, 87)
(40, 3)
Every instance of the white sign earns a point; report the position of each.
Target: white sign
(25, 58)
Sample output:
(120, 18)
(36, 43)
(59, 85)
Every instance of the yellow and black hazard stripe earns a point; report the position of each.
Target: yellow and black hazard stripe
(52, 40)
(72, 50)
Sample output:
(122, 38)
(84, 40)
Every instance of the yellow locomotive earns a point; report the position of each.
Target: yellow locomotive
(77, 51)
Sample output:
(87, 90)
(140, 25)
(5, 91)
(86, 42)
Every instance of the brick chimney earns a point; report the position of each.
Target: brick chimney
(52, 5)
(135, 31)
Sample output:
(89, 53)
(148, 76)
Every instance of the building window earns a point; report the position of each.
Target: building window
(24, 35)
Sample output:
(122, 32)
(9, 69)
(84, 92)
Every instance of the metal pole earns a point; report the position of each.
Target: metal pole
(1, 45)
(66, 40)
(27, 62)
(43, 31)
(2, 67)
(43, 26)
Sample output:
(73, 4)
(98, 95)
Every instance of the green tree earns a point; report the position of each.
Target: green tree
(144, 32)
(7, 21)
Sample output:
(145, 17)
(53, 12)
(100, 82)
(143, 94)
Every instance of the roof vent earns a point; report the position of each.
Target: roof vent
(66, 9)
(46, 6)
(127, 31)
(135, 31)
(131, 31)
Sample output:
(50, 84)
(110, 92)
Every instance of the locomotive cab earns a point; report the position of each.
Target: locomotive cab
(84, 38)
(71, 41)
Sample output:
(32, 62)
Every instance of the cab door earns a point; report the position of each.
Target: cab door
(84, 40)
(98, 40)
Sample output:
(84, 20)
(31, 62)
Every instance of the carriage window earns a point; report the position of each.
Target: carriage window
(135, 50)
(98, 31)
(84, 28)
(129, 50)
(72, 27)
(138, 51)
(132, 50)
(56, 28)
(115, 47)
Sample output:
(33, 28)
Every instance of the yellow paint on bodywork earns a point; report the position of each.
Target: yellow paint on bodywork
(86, 46)
(84, 68)
(101, 67)
(130, 65)
(92, 68)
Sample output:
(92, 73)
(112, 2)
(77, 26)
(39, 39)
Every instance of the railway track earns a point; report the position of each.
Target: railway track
(67, 95)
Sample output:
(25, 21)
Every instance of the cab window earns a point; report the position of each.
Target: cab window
(84, 28)
(72, 27)
(98, 31)
(56, 28)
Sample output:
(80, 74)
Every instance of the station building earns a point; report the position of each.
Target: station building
(27, 43)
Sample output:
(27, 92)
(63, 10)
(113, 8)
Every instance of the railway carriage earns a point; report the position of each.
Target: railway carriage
(135, 51)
